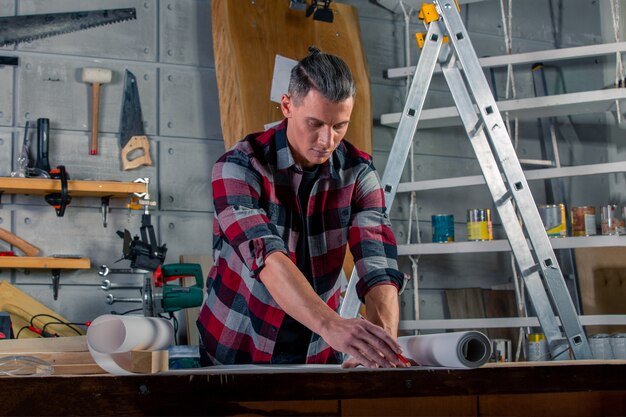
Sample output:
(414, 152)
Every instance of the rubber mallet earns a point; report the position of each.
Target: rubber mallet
(96, 77)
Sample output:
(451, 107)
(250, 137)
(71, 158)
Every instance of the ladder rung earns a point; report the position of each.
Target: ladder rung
(504, 199)
(533, 269)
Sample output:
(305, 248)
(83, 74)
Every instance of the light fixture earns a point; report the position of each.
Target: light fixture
(320, 9)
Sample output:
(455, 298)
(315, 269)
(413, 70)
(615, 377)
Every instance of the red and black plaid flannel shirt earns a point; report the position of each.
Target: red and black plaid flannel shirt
(256, 213)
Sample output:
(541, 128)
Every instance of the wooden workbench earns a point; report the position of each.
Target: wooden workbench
(538, 389)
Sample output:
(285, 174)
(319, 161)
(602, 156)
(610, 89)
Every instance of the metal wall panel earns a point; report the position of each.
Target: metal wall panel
(80, 232)
(6, 152)
(196, 92)
(186, 234)
(532, 20)
(133, 40)
(186, 36)
(185, 173)
(6, 98)
(53, 88)
(384, 49)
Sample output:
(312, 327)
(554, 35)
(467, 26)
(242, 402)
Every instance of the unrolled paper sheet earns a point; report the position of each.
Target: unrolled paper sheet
(469, 349)
(111, 338)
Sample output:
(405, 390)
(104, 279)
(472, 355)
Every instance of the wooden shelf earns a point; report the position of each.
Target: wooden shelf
(76, 188)
(40, 262)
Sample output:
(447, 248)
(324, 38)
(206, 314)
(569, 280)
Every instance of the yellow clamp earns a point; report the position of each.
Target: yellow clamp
(428, 12)
(134, 204)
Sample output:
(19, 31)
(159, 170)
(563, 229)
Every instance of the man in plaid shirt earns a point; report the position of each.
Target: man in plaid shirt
(288, 201)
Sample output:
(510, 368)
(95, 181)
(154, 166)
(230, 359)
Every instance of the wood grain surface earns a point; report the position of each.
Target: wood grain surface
(247, 35)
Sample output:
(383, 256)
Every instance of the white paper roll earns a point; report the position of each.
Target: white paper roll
(111, 338)
(469, 349)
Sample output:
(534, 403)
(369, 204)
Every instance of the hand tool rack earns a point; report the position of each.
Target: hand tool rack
(501, 169)
(76, 188)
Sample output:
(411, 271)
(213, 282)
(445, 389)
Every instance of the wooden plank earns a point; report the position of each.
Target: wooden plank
(23, 307)
(44, 345)
(466, 303)
(149, 361)
(411, 406)
(571, 404)
(79, 369)
(289, 408)
(42, 262)
(246, 38)
(76, 188)
(57, 358)
(602, 284)
(501, 303)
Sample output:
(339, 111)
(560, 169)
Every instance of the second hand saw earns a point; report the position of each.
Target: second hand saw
(134, 145)
(25, 28)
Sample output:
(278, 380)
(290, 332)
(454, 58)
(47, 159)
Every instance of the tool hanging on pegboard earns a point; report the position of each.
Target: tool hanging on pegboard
(59, 200)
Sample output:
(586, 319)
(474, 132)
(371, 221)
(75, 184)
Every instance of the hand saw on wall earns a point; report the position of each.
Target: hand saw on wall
(15, 29)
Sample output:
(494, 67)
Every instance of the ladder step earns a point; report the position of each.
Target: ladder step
(504, 199)
(532, 270)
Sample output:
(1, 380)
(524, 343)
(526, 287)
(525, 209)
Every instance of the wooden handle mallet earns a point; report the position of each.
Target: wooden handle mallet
(96, 77)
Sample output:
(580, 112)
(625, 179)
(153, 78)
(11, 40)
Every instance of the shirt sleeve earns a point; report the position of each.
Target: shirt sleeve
(372, 242)
(237, 187)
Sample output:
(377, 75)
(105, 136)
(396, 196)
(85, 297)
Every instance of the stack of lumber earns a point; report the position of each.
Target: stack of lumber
(66, 355)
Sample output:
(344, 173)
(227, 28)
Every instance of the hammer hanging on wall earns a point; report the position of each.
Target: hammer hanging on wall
(95, 77)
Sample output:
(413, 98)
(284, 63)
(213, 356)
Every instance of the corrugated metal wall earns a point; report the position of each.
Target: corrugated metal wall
(169, 49)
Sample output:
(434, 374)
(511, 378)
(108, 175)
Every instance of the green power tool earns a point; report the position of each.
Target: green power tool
(162, 296)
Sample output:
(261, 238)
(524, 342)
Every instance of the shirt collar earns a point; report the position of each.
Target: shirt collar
(285, 160)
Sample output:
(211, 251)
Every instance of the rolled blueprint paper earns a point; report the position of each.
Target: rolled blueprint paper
(111, 338)
(469, 349)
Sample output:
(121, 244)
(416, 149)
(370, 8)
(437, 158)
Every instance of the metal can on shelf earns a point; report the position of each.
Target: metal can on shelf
(583, 221)
(600, 344)
(554, 220)
(479, 224)
(608, 220)
(537, 347)
(618, 345)
(443, 228)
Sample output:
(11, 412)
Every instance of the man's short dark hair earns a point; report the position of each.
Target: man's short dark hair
(326, 73)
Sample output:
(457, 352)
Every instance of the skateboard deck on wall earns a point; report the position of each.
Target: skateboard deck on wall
(247, 36)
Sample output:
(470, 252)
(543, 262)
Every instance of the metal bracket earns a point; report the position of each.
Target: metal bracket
(56, 278)
(145, 195)
(105, 208)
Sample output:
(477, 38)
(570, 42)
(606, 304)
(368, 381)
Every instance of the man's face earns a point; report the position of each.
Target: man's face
(315, 127)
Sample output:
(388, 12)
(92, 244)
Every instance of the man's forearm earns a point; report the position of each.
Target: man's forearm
(293, 293)
(382, 308)
(366, 342)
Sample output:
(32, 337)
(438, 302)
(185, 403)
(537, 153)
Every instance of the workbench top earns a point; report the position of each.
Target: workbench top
(575, 385)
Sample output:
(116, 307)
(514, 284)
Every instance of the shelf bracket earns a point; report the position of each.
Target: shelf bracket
(56, 278)
(105, 208)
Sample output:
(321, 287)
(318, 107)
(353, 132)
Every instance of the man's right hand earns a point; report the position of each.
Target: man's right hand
(366, 343)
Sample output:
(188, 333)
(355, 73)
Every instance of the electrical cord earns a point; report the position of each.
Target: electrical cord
(42, 331)
(61, 322)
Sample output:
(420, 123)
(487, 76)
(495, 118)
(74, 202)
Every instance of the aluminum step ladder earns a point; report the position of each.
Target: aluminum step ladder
(503, 174)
